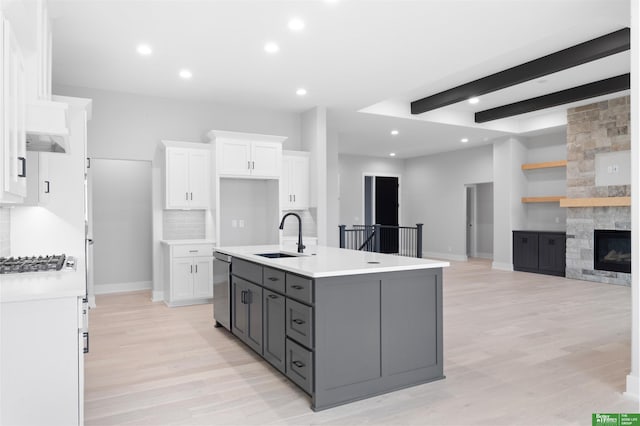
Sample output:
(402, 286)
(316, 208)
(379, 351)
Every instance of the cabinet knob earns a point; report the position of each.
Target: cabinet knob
(297, 364)
(297, 287)
(298, 321)
(273, 296)
(272, 279)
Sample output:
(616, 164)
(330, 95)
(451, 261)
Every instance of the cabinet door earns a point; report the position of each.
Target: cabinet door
(233, 157)
(202, 277)
(274, 329)
(266, 159)
(199, 181)
(552, 253)
(525, 251)
(239, 310)
(286, 196)
(38, 183)
(254, 302)
(299, 178)
(182, 279)
(177, 178)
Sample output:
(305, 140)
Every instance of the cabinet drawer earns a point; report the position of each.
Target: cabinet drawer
(300, 288)
(300, 366)
(247, 270)
(192, 250)
(300, 322)
(274, 279)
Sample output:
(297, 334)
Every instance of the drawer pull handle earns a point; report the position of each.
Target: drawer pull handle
(297, 287)
(273, 296)
(298, 321)
(273, 279)
(193, 251)
(297, 364)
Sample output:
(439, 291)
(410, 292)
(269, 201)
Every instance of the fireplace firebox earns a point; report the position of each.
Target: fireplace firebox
(612, 250)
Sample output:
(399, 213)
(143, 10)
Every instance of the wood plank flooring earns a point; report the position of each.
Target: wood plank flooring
(519, 349)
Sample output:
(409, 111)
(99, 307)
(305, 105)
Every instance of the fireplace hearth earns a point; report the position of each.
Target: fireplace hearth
(612, 250)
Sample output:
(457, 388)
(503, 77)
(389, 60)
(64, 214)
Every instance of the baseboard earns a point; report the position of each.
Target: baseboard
(122, 287)
(445, 256)
(502, 266)
(484, 255)
(633, 387)
(157, 296)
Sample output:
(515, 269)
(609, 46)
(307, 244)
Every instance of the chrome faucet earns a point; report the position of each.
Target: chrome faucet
(301, 246)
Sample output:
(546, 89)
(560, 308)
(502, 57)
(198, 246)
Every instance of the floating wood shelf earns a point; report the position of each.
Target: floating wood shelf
(596, 202)
(546, 165)
(551, 199)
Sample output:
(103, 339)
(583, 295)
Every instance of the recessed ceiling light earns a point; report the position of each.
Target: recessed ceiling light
(296, 24)
(186, 74)
(464, 140)
(144, 49)
(394, 132)
(301, 92)
(392, 154)
(474, 100)
(271, 47)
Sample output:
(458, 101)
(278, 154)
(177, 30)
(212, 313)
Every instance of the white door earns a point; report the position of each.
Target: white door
(203, 277)
(199, 182)
(182, 272)
(233, 157)
(266, 159)
(177, 178)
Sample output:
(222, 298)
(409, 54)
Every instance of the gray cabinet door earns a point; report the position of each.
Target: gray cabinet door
(239, 318)
(274, 329)
(253, 300)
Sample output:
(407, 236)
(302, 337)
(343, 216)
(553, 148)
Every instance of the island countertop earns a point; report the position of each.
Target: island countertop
(322, 261)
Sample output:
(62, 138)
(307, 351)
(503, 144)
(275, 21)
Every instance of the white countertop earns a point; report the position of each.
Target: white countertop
(43, 285)
(185, 242)
(322, 261)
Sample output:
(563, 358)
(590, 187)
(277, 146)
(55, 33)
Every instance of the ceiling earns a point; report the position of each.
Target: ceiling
(365, 60)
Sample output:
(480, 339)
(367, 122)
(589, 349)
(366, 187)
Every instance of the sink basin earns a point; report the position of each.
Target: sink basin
(275, 255)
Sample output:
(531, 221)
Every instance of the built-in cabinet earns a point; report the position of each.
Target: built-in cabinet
(39, 182)
(542, 252)
(245, 158)
(294, 181)
(13, 182)
(188, 274)
(246, 312)
(43, 362)
(187, 176)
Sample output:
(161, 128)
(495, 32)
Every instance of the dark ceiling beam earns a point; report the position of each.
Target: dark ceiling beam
(579, 93)
(600, 47)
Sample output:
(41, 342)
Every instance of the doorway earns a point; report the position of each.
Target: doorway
(479, 220)
(381, 207)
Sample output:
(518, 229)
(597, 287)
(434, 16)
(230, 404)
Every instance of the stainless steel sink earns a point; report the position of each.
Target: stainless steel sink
(275, 255)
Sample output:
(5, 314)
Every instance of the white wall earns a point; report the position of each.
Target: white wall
(314, 140)
(129, 126)
(352, 169)
(121, 225)
(433, 193)
(484, 220)
(509, 186)
(333, 190)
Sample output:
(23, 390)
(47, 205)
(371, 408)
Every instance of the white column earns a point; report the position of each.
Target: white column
(633, 379)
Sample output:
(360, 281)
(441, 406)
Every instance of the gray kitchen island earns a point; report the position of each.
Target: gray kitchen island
(342, 324)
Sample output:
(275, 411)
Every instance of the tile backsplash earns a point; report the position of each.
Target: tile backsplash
(5, 229)
(183, 224)
(308, 224)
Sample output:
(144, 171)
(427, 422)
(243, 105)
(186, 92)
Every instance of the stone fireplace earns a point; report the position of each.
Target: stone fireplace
(597, 133)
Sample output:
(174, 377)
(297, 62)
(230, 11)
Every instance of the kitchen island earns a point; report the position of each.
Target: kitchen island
(342, 324)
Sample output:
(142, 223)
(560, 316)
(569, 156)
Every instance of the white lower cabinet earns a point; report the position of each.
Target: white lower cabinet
(42, 382)
(188, 274)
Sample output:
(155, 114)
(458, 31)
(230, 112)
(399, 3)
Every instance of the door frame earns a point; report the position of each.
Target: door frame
(471, 237)
(373, 188)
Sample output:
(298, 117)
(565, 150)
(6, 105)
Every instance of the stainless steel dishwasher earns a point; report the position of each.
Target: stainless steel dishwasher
(221, 290)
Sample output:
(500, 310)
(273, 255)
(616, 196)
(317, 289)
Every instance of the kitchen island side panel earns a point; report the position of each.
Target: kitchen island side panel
(376, 333)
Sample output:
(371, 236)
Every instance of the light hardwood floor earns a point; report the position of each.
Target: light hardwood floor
(519, 349)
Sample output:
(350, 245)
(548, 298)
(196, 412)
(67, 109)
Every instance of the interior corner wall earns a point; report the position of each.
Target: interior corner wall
(352, 169)
(434, 194)
(333, 190)
(129, 126)
(314, 139)
(509, 186)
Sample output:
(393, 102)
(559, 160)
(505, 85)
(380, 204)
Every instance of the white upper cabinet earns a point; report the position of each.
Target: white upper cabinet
(39, 185)
(294, 184)
(13, 182)
(247, 155)
(187, 176)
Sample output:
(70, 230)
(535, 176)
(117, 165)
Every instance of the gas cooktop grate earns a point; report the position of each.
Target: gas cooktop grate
(13, 265)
